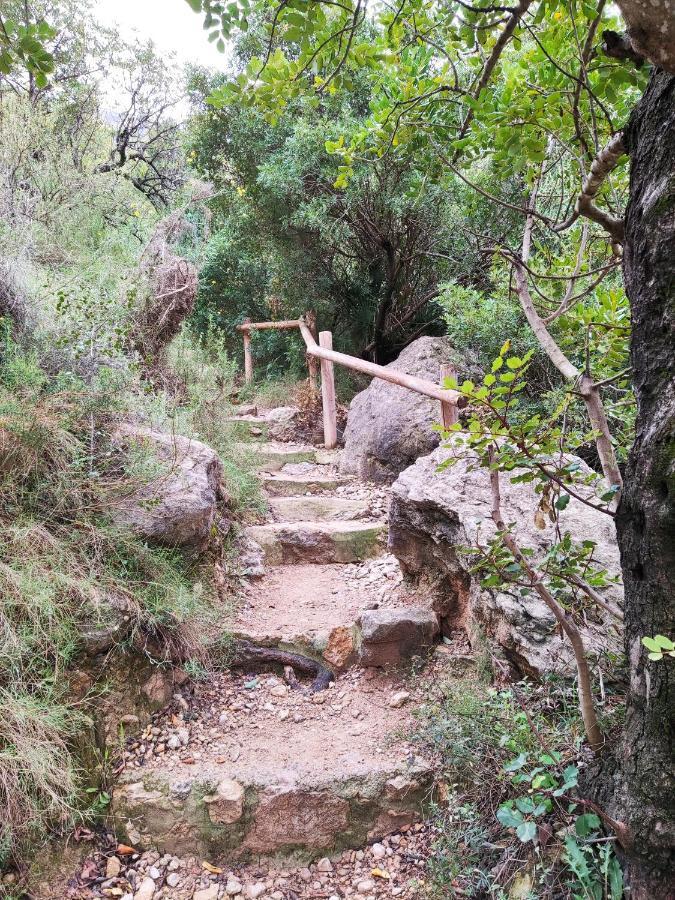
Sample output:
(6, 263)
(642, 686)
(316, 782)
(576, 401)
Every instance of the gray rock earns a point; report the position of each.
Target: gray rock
(250, 556)
(433, 514)
(389, 427)
(281, 424)
(392, 634)
(177, 506)
(105, 621)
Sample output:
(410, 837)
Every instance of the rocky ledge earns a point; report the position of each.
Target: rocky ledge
(248, 766)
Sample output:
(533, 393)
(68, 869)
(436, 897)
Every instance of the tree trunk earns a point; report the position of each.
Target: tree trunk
(646, 515)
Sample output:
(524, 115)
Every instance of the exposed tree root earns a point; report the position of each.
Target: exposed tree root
(246, 653)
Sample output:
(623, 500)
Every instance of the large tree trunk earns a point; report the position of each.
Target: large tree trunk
(646, 515)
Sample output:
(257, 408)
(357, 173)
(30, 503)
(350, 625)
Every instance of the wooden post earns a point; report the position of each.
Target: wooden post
(328, 394)
(248, 356)
(449, 411)
(312, 365)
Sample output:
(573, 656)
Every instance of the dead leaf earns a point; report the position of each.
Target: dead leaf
(124, 850)
(214, 870)
(380, 873)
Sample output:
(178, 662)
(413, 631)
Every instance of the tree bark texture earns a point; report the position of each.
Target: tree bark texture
(646, 514)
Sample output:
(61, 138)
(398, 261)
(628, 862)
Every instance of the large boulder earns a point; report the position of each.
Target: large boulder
(177, 505)
(434, 514)
(389, 427)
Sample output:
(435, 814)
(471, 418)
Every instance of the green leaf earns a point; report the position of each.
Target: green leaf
(509, 817)
(586, 824)
(516, 763)
(527, 831)
(514, 362)
(562, 501)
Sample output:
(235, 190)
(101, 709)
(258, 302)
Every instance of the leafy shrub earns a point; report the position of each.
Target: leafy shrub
(510, 760)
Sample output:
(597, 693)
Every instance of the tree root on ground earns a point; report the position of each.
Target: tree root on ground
(246, 654)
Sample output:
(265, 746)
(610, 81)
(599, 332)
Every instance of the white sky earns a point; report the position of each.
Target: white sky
(171, 24)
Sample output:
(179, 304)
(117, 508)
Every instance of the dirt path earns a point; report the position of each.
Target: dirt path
(248, 785)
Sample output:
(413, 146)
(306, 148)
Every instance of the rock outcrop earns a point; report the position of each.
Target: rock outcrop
(178, 506)
(433, 514)
(389, 427)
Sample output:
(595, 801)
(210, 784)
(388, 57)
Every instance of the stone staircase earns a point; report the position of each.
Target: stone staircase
(245, 765)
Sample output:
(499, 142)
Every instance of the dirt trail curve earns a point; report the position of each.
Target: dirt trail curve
(285, 793)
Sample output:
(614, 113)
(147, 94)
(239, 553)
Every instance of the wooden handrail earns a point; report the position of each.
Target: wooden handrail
(450, 400)
(419, 385)
(259, 326)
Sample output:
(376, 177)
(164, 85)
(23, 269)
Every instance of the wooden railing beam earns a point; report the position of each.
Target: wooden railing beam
(420, 385)
(260, 326)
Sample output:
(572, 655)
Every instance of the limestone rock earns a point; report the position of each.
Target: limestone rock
(391, 634)
(250, 556)
(178, 505)
(226, 805)
(297, 817)
(389, 427)
(106, 620)
(158, 689)
(434, 513)
(281, 422)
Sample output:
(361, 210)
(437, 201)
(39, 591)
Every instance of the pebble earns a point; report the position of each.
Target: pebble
(233, 887)
(324, 865)
(255, 890)
(399, 699)
(146, 890)
(112, 868)
(209, 893)
(378, 851)
(173, 879)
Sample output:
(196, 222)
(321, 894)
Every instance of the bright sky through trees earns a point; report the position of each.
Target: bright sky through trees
(171, 24)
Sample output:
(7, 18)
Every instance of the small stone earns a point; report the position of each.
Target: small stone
(363, 887)
(223, 719)
(378, 851)
(209, 893)
(233, 887)
(399, 699)
(154, 873)
(146, 890)
(283, 715)
(324, 865)
(174, 742)
(173, 879)
(255, 890)
(183, 736)
(279, 690)
(112, 867)
(226, 805)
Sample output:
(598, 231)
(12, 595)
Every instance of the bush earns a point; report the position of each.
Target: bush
(509, 813)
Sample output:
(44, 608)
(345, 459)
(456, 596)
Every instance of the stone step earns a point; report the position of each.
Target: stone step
(252, 426)
(342, 615)
(274, 455)
(316, 509)
(286, 543)
(279, 484)
(253, 768)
